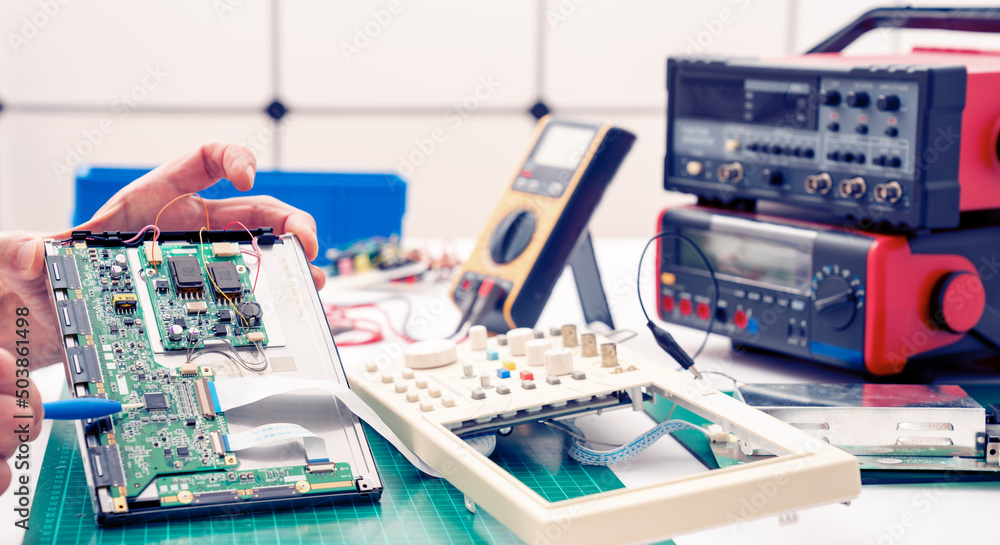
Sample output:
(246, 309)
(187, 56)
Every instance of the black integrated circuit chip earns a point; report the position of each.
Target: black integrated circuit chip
(225, 278)
(161, 285)
(185, 270)
(155, 402)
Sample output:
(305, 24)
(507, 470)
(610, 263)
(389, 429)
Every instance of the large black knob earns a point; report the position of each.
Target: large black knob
(835, 302)
(830, 98)
(858, 99)
(511, 236)
(887, 103)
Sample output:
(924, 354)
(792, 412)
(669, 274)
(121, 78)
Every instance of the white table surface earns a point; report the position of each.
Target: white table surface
(882, 515)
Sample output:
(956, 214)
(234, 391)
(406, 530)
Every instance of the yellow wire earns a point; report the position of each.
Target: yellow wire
(201, 246)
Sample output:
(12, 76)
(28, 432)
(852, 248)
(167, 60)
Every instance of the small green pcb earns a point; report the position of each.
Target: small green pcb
(202, 292)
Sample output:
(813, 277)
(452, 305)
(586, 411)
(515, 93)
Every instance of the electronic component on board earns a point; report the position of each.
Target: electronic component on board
(225, 249)
(251, 314)
(186, 274)
(154, 254)
(225, 278)
(155, 402)
(195, 307)
(124, 301)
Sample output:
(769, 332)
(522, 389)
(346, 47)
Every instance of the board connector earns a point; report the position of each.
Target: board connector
(216, 438)
(327, 467)
(204, 398)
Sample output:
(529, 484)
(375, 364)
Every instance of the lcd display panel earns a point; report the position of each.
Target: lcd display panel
(563, 146)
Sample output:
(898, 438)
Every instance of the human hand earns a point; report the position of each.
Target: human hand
(10, 439)
(22, 261)
(138, 203)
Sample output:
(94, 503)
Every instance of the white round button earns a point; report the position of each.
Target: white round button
(536, 351)
(558, 361)
(430, 354)
(477, 337)
(517, 340)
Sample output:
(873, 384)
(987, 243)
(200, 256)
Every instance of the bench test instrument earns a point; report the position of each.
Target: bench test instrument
(540, 226)
(847, 202)
(831, 294)
(907, 140)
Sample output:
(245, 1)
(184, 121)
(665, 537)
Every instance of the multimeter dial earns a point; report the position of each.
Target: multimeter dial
(837, 296)
(511, 236)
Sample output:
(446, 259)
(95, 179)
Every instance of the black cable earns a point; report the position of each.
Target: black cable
(663, 338)
(409, 313)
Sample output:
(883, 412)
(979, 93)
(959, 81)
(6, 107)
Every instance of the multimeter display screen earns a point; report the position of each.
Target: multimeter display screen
(758, 260)
(563, 146)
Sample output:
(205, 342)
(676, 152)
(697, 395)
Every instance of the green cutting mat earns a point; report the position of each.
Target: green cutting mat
(414, 509)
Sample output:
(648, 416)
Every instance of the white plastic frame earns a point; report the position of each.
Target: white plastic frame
(805, 472)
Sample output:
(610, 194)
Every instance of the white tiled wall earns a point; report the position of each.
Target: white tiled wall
(366, 83)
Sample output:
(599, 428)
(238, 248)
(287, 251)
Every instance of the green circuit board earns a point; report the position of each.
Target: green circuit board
(170, 432)
(206, 291)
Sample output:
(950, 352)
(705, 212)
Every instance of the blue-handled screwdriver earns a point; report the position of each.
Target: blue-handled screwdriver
(83, 408)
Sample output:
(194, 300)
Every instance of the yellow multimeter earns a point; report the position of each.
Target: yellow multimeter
(540, 226)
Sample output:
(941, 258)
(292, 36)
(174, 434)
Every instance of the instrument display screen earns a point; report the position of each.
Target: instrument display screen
(758, 101)
(563, 146)
(784, 264)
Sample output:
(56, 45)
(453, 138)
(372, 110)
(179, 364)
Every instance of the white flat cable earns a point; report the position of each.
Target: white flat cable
(278, 433)
(238, 392)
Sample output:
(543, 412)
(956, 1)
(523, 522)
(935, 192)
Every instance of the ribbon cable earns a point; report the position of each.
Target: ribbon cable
(229, 394)
(271, 433)
(591, 457)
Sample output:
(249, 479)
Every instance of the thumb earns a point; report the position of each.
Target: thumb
(22, 265)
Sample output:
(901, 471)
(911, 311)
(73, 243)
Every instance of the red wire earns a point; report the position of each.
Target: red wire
(337, 312)
(335, 317)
